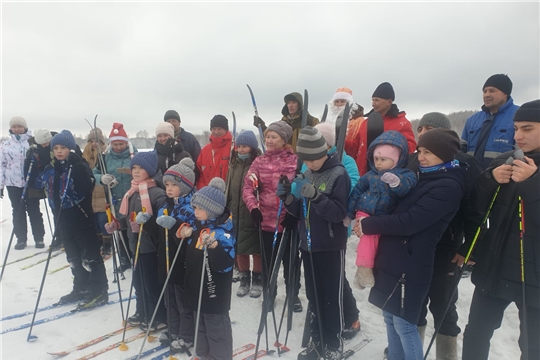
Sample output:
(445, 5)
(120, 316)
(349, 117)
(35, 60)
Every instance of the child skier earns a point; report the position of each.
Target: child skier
(211, 242)
(179, 184)
(69, 184)
(377, 193)
(320, 201)
(145, 192)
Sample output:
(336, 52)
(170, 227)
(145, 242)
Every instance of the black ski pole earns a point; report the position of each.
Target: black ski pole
(30, 336)
(522, 266)
(199, 303)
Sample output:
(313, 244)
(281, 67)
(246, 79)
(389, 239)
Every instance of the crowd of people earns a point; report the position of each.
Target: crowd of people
(422, 209)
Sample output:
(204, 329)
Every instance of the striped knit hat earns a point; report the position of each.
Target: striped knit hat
(311, 145)
(182, 175)
(211, 198)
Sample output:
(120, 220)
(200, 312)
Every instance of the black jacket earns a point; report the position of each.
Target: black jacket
(170, 154)
(189, 142)
(497, 271)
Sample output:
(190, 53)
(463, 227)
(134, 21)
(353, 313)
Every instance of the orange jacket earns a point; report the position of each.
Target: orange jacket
(213, 160)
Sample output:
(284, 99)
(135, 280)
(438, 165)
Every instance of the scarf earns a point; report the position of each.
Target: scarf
(444, 166)
(142, 188)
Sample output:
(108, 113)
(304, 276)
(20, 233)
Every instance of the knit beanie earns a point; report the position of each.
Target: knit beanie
(18, 120)
(211, 198)
(182, 175)
(282, 129)
(92, 136)
(343, 93)
(442, 142)
(42, 136)
(247, 138)
(171, 114)
(530, 111)
(501, 82)
(148, 160)
(118, 133)
(388, 151)
(219, 121)
(310, 144)
(384, 91)
(327, 133)
(165, 128)
(64, 138)
(435, 120)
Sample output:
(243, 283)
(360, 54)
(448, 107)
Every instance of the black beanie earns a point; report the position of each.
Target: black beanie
(384, 91)
(501, 82)
(219, 121)
(442, 142)
(530, 111)
(171, 114)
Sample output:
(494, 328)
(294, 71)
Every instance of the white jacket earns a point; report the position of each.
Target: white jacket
(12, 155)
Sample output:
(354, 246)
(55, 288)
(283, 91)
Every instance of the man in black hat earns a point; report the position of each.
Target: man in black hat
(188, 140)
(490, 132)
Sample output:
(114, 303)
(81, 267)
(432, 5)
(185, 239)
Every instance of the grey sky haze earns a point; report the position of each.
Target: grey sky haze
(130, 62)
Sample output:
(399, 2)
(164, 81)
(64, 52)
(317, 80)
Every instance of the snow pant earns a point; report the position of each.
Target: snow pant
(270, 256)
(445, 275)
(367, 247)
(403, 339)
(148, 291)
(19, 211)
(215, 336)
(486, 316)
(182, 323)
(350, 310)
(84, 258)
(243, 262)
(329, 277)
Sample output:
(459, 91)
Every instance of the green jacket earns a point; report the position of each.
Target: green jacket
(296, 120)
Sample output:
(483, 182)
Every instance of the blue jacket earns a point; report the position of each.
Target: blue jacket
(501, 137)
(409, 236)
(373, 196)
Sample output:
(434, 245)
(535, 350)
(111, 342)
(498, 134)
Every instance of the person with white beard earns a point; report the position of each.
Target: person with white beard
(336, 106)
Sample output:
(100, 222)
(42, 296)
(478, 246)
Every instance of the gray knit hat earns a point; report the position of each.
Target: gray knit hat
(182, 175)
(211, 198)
(435, 120)
(282, 129)
(311, 145)
(42, 136)
(18, 120)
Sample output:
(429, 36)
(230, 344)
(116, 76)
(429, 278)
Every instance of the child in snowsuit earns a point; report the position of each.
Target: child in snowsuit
(179, 184)
(377, 193)
(210, 242)
(69, 184)
(145, 192)
(320, 202)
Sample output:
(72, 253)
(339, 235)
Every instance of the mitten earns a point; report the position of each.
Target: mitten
(207, 240)
(297, 185)
(390, 179)
(184, 231)
(347, 221)
(135, 227)
(309, 192)
(289, 221)
(283, 187)
(142, 217)
(166, 221)
(256, 216)
(109, 180)
(257, 121)
(112, 226)
(74, 159)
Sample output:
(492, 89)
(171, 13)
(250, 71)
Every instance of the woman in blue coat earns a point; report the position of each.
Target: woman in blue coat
(409, 236)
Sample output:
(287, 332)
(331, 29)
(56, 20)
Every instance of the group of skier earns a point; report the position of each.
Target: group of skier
(190, 217)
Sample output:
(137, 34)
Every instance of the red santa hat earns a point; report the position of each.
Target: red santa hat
(118, 133)
(343, 93)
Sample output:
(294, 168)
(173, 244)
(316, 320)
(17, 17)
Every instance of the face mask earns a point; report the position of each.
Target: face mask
(244, 157)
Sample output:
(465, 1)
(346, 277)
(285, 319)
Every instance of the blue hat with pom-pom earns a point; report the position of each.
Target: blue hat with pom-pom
(147, 160)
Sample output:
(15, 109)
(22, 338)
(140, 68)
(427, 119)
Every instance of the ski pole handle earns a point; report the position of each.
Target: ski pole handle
(108, 212)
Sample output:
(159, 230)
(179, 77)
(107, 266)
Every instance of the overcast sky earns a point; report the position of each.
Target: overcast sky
(130, 62)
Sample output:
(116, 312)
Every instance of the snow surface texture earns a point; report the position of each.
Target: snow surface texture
(19, 289)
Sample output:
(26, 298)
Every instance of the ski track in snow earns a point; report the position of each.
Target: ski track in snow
(19, 289)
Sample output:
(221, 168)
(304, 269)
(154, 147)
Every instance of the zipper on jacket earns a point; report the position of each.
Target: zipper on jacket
(402, 300)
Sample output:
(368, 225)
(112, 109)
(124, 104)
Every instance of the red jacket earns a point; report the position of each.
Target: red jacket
(213, 160)
(398, 123)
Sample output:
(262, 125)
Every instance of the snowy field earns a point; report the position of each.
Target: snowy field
(19, 289)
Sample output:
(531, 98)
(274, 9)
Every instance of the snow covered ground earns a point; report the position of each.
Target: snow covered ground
(19, 289)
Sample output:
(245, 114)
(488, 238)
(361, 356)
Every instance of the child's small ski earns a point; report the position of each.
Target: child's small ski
(27, 257)
(354, 349)
(112, 346)
(243, 349)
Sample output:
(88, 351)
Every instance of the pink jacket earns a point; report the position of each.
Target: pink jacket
(268, 168)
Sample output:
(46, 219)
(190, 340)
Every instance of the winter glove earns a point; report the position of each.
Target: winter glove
(166, 221)
(142, 217)
(390, 179)
(256, 216)
(208, 240)
(289, 222)
(309, 192)
(109, 180)
(347, 222)
(112, 226)
(296, 188)
(135, 227)
(257, 121)
(283, 187)
(74, 159)
(184, 231)
(32, 152)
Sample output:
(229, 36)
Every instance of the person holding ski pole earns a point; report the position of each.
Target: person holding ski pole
(247, 235)
(266, 170)
(179, 183)
(319, 200)
(209, 258)
(145, 192)
(69, 183)
(507, 256)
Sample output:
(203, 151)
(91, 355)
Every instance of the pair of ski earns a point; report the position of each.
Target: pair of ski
(28, 257)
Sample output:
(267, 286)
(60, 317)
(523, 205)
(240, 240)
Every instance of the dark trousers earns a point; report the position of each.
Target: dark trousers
(486, 316)
(215, 336)
(350, 310)
(182, 323)
(270, 256)
(329, 277)
(83, 255)
(148, 291)
(19, 211)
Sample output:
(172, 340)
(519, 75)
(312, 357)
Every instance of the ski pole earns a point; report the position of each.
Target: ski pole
(115, 274)
(68, 178)
(521, 211)
(261, 133)
(20, 210)
(199, 303)
(169, 322)
(47, 211)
